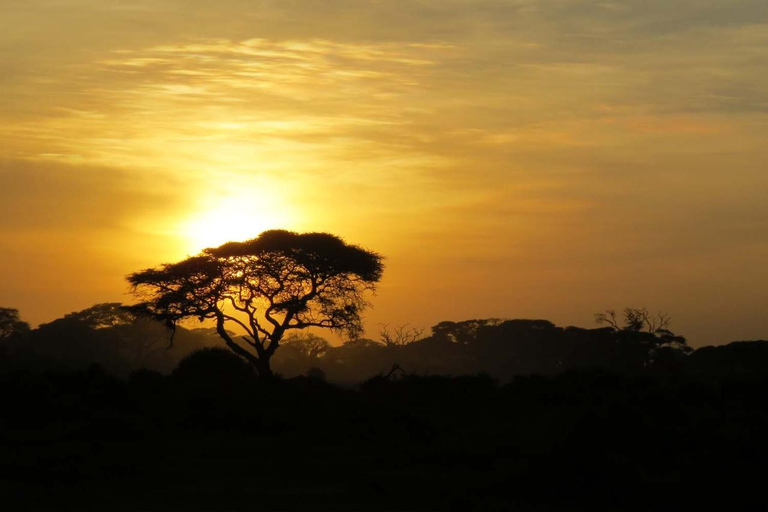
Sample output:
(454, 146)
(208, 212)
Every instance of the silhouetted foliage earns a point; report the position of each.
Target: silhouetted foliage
(106, 334)
(461, 333)
(307, 345)
(502, 348)
(213, 368)
(299, 352)
(201, 440)
(265, 286)
(355, 360)
(399, 336)
(597, 429)
(102, 316)
(637, 320)
(646, 333)
(122, 342)
(11, 324)
(739, 358)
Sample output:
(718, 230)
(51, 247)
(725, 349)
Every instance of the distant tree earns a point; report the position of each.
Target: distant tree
(104, 315)
(462, 333)
(11, 324)
(134, 339)
(399, 336)
(636, 320)
(646, 330)
(266, 286)
(109, 335)
(299, 351)
(307, 345)
(356, 360)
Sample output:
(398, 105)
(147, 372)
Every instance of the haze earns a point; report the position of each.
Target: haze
(513, 159)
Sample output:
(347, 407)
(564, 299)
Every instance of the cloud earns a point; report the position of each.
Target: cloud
(55, 199)
(558, 140)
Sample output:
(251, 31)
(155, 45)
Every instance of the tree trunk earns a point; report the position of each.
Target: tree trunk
(263, 367)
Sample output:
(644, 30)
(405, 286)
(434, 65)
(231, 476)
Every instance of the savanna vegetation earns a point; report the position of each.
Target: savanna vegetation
(131, 408)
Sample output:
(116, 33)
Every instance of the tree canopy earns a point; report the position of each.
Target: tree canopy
(265, 286)
(102, 316)
(11, 324)
(646, 332)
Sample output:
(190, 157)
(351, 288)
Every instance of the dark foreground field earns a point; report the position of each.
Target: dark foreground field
(586, 440)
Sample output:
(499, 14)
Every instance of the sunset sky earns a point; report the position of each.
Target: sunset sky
(510, 158)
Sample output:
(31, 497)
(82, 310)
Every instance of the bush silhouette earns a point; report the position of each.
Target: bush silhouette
(213, 368)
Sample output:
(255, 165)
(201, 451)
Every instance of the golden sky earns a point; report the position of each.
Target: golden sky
(510, 158)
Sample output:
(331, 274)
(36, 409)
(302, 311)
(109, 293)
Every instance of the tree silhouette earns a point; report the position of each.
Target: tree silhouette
(299, 352)
(462, 333)
(647, 332)
(636, 320)
(309, 346)
(11, 324)
(265, 286)
(104, 315)
(399, 336)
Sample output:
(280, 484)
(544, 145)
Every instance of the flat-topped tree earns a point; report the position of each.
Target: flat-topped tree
(278, 281)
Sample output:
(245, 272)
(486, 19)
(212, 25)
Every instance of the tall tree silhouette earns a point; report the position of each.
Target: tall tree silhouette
(279, 281)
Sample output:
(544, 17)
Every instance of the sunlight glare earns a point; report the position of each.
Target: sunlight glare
(237, 219)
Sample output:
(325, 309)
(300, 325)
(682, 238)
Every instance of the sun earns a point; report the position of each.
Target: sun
(235, 219)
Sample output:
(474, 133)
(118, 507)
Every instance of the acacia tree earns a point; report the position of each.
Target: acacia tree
(265, 286)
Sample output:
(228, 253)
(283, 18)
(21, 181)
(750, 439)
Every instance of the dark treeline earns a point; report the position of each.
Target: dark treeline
(499, 348)
(122, 342)
(98, 413)
(106, 334)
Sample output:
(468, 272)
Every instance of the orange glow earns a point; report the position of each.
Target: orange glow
(506, 161)
(236, 218)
